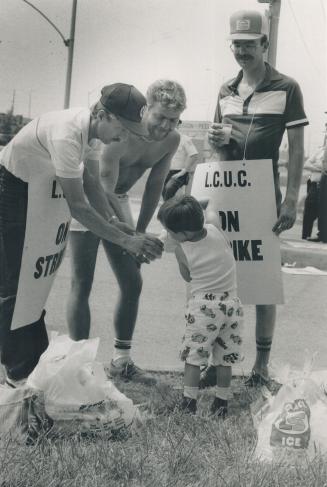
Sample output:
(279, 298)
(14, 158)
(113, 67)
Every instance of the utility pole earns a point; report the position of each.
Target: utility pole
(273, 20)
(69, 43)
(11, 111)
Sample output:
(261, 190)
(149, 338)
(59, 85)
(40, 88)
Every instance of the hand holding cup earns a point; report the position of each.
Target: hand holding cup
(219, 134)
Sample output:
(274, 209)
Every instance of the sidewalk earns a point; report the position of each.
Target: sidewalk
(298, 252)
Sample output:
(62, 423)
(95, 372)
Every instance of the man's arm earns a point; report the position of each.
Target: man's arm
(94, 191)
(154, 186)
(83, 212)
(97, 197)
(109, 172)
(216, 136)
(295, 167)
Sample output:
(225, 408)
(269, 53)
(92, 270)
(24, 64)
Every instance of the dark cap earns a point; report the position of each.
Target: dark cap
(127, 104)
(247, 25)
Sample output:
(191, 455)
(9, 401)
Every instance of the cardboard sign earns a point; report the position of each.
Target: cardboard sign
(47, 225)
(243, 194)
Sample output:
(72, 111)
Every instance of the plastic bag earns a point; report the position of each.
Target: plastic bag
(60, 351)
(292, 424)
(76, 391)
(22, 414)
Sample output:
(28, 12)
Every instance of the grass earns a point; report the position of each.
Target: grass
(168, 449)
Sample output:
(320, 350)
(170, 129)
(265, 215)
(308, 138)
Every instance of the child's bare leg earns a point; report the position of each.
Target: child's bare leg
(191, 375)
(191, 387)
(224, 378)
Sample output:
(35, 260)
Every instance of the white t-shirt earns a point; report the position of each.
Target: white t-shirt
(55, 143)
(211, 263)
(185, 150)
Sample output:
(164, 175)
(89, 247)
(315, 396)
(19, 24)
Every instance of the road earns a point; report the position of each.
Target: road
(301, 324)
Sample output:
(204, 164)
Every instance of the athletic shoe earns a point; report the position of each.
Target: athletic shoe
(313, 239)
(188, 405)
(208, 377)
(14, 384)
(256, 380)
(219, 408)
(130, 372)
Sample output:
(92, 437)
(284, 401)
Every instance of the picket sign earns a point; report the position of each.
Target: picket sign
(242, 193)
(47, 225)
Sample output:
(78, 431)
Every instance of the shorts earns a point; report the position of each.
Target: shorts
(76, 226)
(214, 325)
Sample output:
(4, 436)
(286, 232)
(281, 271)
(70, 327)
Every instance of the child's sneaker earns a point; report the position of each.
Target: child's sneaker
(188, 405)
(219, 408)
(130, 372)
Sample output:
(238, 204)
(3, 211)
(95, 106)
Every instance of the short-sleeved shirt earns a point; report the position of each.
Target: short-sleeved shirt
(185, 150)
(259, 121)
(55, 143)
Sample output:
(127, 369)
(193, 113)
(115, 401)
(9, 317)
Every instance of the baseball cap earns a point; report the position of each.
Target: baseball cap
(126, 103)
(247, 25)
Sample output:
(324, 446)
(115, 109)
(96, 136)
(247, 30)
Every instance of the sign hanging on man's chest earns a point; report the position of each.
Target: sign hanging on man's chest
(244, 197)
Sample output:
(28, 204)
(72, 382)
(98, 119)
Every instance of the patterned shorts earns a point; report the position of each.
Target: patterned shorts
(214, 324)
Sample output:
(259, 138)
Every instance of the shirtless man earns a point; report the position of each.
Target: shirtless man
(121, 166)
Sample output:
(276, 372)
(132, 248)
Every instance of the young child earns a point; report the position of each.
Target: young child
(214, 317)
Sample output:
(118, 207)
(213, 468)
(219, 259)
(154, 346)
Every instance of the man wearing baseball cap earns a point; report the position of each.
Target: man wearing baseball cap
(121, 166)
(44, 179)
(260, 103)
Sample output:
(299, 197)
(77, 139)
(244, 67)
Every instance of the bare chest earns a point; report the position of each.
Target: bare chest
(144, 155)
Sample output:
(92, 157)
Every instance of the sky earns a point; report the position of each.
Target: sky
(139, 41)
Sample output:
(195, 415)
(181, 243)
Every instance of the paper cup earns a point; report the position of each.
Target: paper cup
(227, 129)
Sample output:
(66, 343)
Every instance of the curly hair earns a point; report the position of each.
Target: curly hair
(167, 92)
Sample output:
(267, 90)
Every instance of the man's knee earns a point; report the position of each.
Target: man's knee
(131, 284)
(126, 270)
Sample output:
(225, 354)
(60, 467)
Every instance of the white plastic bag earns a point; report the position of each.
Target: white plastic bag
(76, 390)
(292, 424)
(60, 351)
(22, 414)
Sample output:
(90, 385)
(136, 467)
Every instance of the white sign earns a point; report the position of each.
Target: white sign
(243, 194)
(47, 225)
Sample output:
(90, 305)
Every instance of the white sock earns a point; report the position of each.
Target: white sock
(122, 351)
(223, 392)
(191, 392)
